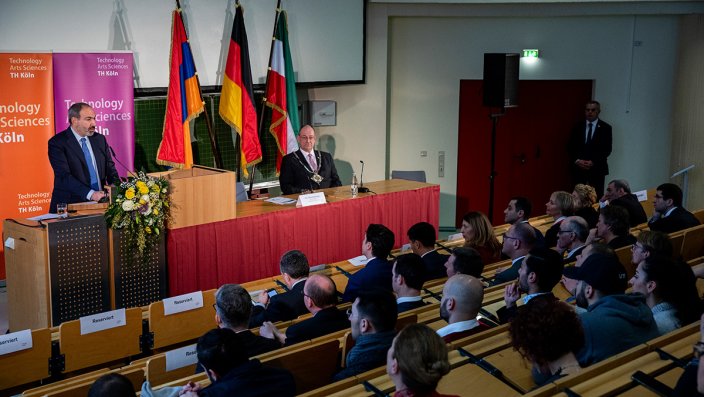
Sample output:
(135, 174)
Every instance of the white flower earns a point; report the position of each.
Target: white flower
(128, 205)
(145, 198)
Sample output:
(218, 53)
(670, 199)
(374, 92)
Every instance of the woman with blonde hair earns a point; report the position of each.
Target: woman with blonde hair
(479, 234)
(559, 206)
(584, 196)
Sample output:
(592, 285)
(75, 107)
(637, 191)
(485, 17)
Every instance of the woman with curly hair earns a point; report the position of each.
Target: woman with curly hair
(584, 197)
(559, 206)
(546, 333)
(417, 361)
(479, 234)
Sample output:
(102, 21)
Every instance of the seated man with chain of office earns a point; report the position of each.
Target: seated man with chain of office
(307, 169)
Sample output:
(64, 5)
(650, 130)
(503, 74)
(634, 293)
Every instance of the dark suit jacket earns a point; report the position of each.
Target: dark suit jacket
(72, 182)
(406, 306)
(286, 306)
(295, 175)
(256, 345)
(322, 323)
(551, 238)
(597, 150)
(679, 219)
(376, 274)
(435, 265)
(509, 274)
(574, 256)
(589, 214)
(252, 379)
(622, 241)
(637, 215)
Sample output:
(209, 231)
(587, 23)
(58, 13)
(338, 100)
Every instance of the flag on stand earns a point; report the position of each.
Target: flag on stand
(183, 102)
(281, 93)
(237, 104)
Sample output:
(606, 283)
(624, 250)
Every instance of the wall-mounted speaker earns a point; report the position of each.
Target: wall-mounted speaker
(500, 80)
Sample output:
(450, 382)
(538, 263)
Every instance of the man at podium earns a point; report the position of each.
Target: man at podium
(307, 169)
(80, 159)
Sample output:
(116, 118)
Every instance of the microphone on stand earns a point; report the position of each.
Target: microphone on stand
(362, 188)
(118, 160)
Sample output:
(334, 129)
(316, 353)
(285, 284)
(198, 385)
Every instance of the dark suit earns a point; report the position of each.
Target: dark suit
(406, 306)
(435, 265)
(622, 241)
(679, 219)
(252, 379)
(637, 215)
(574, 256)
(589, 214)
(510, 273)
(596, 149)
(255, 344)
(296, 173)
(376, 274)
(286, 306)
(551, 238)
(322, 323)
(72, 181)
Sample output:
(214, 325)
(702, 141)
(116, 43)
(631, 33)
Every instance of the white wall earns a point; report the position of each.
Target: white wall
(416, 56)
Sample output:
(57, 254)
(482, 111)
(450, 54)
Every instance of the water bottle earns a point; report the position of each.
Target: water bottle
(353, 185)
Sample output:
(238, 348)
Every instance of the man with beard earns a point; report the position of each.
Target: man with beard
(519, 211)
(462, 299)
(516, 244)
(539, 272)
(614, 321)
(619, 193)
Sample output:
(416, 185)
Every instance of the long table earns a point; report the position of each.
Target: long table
(249, 247)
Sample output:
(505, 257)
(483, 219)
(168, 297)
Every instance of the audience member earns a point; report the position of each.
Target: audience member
(462, 300)
(669, 214)
(517, 241)
(479, 234)
(417, 361)
(221, 353)
(232, 310)
(669, 288)
(651, 243)
(590, 248)
(373, 317)
(376, 246)
(547, 333)
(519, 211)
(539, 272)
(112, 385)
(294, 268)
(619, 193)
(464, 260)
(320, 299)
(690, 384)
(584, 197)
(613, 228)
(422, 238)
(407, 281)
(572, 235)
(613, 322)
(559, 206)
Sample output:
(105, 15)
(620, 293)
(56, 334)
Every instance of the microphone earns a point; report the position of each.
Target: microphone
(118, 160)
(362, 188)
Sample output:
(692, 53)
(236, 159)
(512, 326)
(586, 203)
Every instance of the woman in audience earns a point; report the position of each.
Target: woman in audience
(584, 197)
(669, 287)
(546, 333)
(112, 385)
(651, 243)
(559, 206)
(417, 361)
(479, 234)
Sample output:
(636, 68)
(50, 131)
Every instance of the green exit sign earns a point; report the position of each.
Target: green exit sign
(530, 53)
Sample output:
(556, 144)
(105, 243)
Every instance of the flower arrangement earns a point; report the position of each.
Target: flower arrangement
(142, 211)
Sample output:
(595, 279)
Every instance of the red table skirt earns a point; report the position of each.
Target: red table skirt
(249, 248)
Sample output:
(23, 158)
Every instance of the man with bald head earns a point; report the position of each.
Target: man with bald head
(320, 299)
(307, 169)
(462, 300)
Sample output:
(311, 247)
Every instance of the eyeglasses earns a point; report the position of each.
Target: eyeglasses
(636, 246)
(215, 307)
(348, 312)
(506, 236)
(698, 350)
(565, 231)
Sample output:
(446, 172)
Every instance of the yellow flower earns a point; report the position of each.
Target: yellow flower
(155, 188)
(148, 229)
(155, 212)
(144, 189)
(130, 193)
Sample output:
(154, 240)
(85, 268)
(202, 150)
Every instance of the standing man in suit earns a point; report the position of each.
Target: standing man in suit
(289, 305)
(80, 159)
(307, 169)
(669, 214)
(589, 146)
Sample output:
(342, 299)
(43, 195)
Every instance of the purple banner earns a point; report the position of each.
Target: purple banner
(104, 81)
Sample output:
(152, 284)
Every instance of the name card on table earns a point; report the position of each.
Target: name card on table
(16, 341)
(405, 247)
(183, 303)
(102, 321)
(179, 358)
(641, 195)
(456, 236)
(359, 260)
(306, 200)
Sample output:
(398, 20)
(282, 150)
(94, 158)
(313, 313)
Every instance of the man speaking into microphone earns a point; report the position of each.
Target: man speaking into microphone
(307, 169)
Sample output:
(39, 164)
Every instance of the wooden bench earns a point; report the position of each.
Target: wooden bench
(79, 385)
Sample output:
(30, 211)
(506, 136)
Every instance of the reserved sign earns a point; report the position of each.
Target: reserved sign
(102, 321)
(16, 341)
(183, 303)
(179, 358)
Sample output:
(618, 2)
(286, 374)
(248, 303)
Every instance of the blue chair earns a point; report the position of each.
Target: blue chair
(418, 176)
(240, 192)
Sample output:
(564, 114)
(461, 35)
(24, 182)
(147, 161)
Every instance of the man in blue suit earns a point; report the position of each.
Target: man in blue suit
(81, 160)
(376, 245)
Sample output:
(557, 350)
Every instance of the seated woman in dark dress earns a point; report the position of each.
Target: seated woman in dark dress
(584, 197)
(559, 206)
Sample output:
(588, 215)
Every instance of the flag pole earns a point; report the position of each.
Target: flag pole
(266, 85)
(209, 125)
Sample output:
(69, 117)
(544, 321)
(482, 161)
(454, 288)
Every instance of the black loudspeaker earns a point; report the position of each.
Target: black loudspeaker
(500, 80)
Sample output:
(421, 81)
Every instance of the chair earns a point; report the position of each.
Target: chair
(28, 365)
(418, 176)
(240, 192)
(181, 327)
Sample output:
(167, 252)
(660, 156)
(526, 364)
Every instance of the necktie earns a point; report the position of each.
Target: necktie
(312, 162)
(588, 134)
(89, 162)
